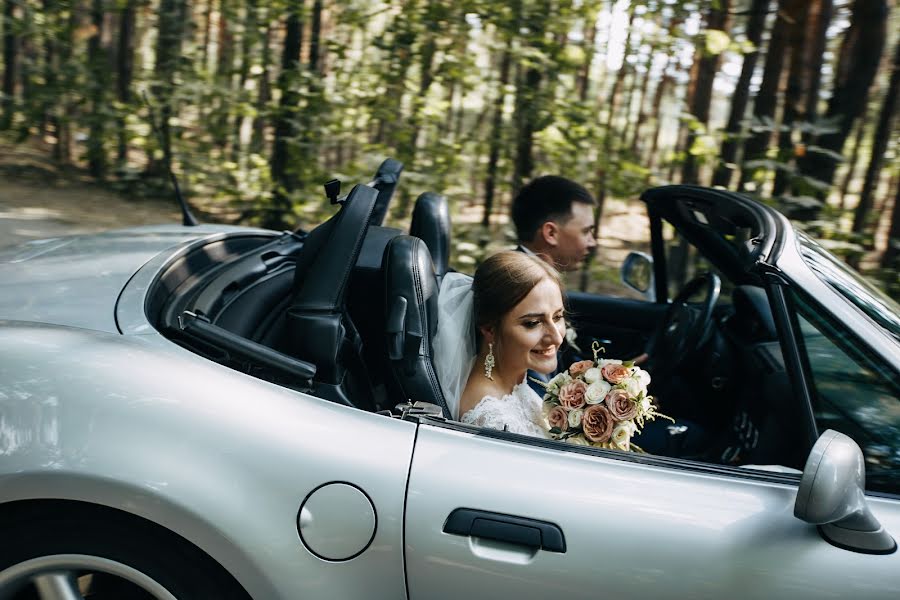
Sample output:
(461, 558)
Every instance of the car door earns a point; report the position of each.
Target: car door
(479, 503)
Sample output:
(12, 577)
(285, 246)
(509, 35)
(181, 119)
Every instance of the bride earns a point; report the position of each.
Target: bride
(491, 330)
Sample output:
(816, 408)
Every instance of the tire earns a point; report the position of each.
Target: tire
(73, 550)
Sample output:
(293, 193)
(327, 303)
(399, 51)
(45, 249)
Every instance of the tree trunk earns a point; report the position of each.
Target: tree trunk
(62, 152)
(98, 67)
(125, 73)
(410, 139)
(398, 64)
(49, 120)
(707, 66)
(891, 257)
(28, 55)
(604, 162)
(756, 22)
(263, 96)
(285, 129)
(628, 105)
(496, 138)
(853, 160)
(207, 34)
(249, 41)
(172, 17)
(613, 101)
(857, 64)
(665, 81)
(642, 95)
(525, 120)
(767, 97)
(879, 146)
(818, 20)
(590, 44)
(224, 72)
(528, 97)
(10, 49)
(315, 36)
(794, 96)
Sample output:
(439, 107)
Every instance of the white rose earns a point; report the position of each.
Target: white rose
(621, 435)
(642, 376)
(575, 417)
(578, 440)
(596, 392)
(592, 375)
(633, 387)
(645, 404)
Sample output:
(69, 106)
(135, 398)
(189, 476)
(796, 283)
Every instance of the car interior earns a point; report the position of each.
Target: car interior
(347, 312)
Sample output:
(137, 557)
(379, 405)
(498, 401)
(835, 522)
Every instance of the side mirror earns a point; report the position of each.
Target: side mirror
(637, 273)
(832, 496)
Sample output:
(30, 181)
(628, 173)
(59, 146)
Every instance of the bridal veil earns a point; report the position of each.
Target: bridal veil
(454, 344)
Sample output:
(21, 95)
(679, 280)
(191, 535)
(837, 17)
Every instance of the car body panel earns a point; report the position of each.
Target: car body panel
(219, 457)
(632, 530)
(76, 280)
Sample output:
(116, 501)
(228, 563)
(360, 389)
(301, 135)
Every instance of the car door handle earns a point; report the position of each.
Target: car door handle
(521, 531)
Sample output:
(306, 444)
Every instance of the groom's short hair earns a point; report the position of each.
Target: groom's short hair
(547, 198)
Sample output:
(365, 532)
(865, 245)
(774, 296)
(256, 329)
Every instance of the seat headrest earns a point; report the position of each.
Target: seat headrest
(431, 224)
(411, 298)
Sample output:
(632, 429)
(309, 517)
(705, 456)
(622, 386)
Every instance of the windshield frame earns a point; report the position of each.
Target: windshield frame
(850, 285)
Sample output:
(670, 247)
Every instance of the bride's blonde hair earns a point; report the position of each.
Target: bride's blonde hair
(503, 280)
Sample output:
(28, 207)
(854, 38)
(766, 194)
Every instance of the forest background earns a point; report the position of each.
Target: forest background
(255, 103)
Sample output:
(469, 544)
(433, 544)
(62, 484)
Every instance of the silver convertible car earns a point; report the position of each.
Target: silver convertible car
(215, 412)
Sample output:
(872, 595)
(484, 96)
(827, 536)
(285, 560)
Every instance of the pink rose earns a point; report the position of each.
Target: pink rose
(615, 373)
(571, 395)
(580, 367)
(597, 423)
(620, 406)
(557, 417)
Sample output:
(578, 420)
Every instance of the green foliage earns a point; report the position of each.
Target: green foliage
(412, 79)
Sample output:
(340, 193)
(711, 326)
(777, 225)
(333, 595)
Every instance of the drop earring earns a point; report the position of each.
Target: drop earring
(489, 362)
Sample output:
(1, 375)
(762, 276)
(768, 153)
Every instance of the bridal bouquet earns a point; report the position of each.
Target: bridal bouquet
(600, 402)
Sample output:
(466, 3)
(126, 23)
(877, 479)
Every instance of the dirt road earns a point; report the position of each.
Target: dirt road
(33, 210)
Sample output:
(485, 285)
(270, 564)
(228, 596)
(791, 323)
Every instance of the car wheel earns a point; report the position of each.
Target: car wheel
(102, 555)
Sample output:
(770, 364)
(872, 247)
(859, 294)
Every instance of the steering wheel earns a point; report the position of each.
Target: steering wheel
(684, 328)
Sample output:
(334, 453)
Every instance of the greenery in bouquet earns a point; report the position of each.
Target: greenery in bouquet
(600, 402)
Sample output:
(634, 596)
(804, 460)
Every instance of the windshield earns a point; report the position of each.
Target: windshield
(850, 284)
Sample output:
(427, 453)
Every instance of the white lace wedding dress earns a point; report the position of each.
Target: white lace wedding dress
(517, 412)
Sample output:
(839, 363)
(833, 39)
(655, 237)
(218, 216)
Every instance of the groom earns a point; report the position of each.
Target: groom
(554, 220)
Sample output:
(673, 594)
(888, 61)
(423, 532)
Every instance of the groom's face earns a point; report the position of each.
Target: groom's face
(573, 237)
(530, 333)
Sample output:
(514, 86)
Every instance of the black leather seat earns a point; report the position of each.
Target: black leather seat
(411, 295)
(431, 224)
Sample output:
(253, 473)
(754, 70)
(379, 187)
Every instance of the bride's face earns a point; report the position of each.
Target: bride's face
(529, 335)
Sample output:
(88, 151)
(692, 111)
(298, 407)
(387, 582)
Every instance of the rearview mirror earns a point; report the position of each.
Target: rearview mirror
(832, 496)
(637, 273)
